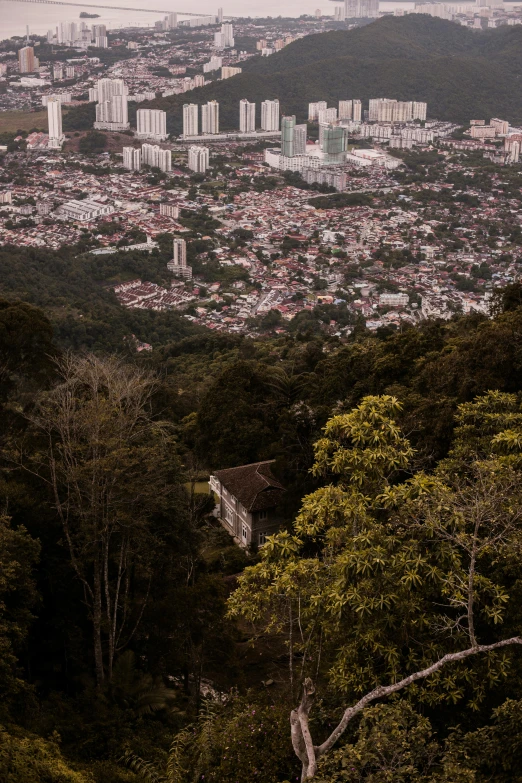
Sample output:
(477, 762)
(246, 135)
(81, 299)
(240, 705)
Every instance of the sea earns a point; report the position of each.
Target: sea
(15, 16)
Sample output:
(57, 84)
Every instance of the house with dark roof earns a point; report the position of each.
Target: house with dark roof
(247, 499)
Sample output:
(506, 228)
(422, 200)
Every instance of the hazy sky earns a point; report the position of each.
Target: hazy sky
(15, 16)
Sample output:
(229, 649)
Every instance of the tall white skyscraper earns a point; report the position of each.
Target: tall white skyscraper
(112, 111)
(420, 110)
(220, 15)
(152, 155)
(132, 158)
(270, 115)
(345, 110)
(54, 114)
(225, 38)
(198, 158)
(179, 247)
(315, 108)
(190, 119)
(172, 21)
(210, 117)
(109, 87)
(357, 110)
(326, 115)
(151, 124)
(247, 116)
(228, 34)
(178, 264)
(361, 9)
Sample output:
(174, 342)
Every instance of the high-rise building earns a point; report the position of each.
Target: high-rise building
(152, 155)
(172, 21)
(420, 110)
(57, 72)
(220, 15)
(247, 116)
(501, 126)
(357, 110)
(210, 117)
(27, 62)
(270, 115)
(287, 136)
(169, 210)
(132, 158)
(199, 80)
(101, 42)
(54, 115)
(345, 110)
(361, 9)
(214, 64)
(190, 119)
(112, 110)
(334, 140)
(390, 110)
(225, 38)
(227, 31)
(300, 139)
(326, 115)
(198, 158)
(315, 108)
(230, 70)
(151, 124)
(178, 264)
(293, 138)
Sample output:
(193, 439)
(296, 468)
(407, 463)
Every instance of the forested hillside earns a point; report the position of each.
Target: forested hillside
(462, 74)
(125, 610)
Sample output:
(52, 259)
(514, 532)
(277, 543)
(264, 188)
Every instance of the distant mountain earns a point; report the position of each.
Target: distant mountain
(461, 73)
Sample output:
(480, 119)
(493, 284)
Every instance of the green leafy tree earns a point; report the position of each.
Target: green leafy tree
(18, 557)
(383, 581)
(113, 475)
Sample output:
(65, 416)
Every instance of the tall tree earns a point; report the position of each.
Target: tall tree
(114, 479)
(383, 583)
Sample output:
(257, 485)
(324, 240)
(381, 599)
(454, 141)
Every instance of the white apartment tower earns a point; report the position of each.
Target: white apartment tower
(315, 108)
(357, 110)
(152, 155)
(112, 111)
(198, 158)
(247, 116)
(190, 119)
(420, 110)
(151, 124)
(327, 115)
(270, 115)
(345, 110)
(225, 38)
(54, 114)
(210, 117)
(132, 158)
(178, 264)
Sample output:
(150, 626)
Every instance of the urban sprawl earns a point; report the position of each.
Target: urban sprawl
(374, 212)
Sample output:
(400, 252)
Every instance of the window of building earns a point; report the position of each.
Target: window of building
(262, 538)
(244, 532)
(229, 516)
(263, 514)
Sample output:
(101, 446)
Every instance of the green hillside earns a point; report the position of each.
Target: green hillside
(460, 73)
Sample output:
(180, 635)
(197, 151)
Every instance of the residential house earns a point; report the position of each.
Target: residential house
(247, 499)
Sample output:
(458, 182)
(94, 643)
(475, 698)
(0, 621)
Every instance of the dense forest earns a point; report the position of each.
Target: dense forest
(462, 74)
(375, 638)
